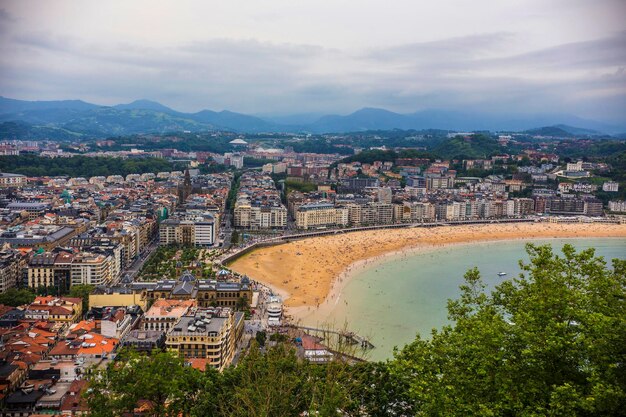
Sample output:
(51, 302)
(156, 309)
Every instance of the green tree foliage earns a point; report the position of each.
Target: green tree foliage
(82, 291)
(273, 383)
(475, 146)
(14, 297)
(319, 145)
(185, 142)
(550, 342)
(260, 337)
(81, 166)
(232, 193)
(304, 187)
(575, 149)
(161, 381)
(235, 238)
(372, 155)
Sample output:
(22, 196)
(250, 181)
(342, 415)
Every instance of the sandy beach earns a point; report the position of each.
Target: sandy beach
(310, 273)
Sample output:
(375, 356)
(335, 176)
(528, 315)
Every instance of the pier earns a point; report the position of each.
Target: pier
(350, 337)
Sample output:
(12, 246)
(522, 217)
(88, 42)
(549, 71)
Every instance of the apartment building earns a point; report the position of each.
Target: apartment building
(439, 181)
(258, 204)
(12, 263)
(199, 231)
(321, 215)
(210, 334)
(92, 269)
(619, 206)
(384, 195)
(257, 217)
(12, 180)
(377, 213)
(50, 269)
(63, 269)
(610, 186)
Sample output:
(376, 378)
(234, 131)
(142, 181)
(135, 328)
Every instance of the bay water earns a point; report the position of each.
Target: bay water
(392, 300)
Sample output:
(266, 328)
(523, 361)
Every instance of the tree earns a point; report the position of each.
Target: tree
(261, 336)
(550, 342)
(234, 238)
(161, 381)
(14, 297)
(82, 291)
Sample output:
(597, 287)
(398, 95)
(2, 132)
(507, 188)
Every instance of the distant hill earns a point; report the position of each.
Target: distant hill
(579, 131)
(548, 131)
(373, 119)
(79, 119)
(234, 121)
(9, 105)
(25, 131)
(145, 105)
(563, 131)
(362, 120)
(476, 146)
(63, 120)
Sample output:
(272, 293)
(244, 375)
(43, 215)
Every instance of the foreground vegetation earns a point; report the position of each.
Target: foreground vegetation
(548, 343)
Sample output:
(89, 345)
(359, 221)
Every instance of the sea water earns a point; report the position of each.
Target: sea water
(389, 302)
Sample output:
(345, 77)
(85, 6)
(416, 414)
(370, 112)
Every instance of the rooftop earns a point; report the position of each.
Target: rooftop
(169, 308)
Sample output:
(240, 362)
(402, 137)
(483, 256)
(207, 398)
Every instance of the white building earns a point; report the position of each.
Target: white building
(384, 195)
(610, 186)
(321, 215)
(619, 206)
(194, 231)
(574, 166)
(92, 269)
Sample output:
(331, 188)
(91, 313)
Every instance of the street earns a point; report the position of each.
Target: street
(138, 263)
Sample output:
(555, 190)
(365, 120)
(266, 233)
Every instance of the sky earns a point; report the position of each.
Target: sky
(278, 57)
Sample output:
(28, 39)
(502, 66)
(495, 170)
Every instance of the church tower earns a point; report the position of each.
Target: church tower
(184, 190)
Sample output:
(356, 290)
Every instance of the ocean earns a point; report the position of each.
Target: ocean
(390, 301)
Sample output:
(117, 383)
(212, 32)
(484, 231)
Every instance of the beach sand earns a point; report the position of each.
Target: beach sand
(310, 273)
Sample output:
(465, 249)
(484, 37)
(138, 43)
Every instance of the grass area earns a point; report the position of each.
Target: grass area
(303, 187)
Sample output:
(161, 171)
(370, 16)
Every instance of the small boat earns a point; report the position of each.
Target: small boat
(501, 274)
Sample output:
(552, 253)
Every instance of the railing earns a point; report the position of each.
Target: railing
(271, 241)
(230, 257)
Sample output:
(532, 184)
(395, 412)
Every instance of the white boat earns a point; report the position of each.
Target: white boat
(501, 274)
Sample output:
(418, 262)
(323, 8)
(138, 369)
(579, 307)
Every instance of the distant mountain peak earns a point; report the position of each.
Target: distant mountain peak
(372, 110)
(144, 104)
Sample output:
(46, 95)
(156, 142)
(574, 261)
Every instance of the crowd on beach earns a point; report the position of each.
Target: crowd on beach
(311, 273)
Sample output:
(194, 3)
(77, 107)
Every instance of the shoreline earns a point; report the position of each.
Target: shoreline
(294, 270)
(303, 314)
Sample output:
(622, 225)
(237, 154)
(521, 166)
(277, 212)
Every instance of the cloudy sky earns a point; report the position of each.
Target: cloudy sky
(322, 56)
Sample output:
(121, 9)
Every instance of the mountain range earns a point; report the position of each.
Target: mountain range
(72, 119)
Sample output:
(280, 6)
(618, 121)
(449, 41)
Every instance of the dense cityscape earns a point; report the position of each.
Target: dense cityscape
(312, 209)
(95, 264)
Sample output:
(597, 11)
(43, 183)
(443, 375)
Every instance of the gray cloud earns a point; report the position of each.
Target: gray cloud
(480, 71)
(5, 16)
